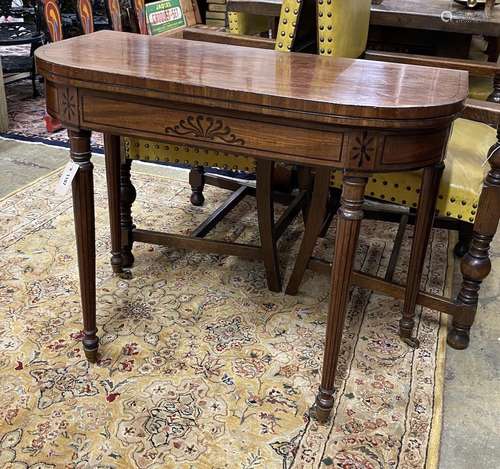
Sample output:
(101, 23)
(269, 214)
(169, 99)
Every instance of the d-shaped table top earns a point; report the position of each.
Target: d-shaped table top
(262, 78)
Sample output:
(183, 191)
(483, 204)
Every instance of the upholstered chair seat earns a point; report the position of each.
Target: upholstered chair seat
(480, 87)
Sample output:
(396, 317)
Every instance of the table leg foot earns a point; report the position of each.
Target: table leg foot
(116, 263)
(412, 342)
(458, 337)
(90, 354)
(323, 405)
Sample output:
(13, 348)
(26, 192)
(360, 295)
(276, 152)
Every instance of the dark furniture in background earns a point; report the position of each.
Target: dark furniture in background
(440, 27)
(26, 32)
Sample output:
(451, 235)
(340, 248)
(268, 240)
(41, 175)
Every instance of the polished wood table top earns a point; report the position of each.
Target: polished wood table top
(269, 79)
(268, 105)
(418, 14)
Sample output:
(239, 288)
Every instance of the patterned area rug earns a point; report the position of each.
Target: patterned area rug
(26, 116)
(200, 365)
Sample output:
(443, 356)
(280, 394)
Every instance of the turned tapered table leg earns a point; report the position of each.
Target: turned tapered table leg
(476, 264)
(314, 222)
(127, 198)
(429, 190)
(265, 213)
(350, 215)
(112, 156)
(83, 206)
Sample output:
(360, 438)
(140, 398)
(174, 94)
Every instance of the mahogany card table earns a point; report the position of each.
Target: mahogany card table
(298, 108)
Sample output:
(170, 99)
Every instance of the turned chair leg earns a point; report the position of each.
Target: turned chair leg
(350, 215)
(476, 264)
(265, 214)
(113, 161)
(423, 226)
(197, 182)
(313, 226)
(127, 198)
(464, 239)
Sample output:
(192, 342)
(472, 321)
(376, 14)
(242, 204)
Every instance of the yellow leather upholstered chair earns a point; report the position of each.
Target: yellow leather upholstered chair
(480, 87)
(342, 29)
(247, 24)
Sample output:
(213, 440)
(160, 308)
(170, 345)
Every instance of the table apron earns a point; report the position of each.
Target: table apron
(308, 143)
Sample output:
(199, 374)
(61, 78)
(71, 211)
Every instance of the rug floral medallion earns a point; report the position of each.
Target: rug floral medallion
(200, 365)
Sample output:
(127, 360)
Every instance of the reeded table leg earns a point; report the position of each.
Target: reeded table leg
(112, 156)
(127, 198)
(476, 264)
(429, 190)
(350, 215)
(265, 213)
(83, 206)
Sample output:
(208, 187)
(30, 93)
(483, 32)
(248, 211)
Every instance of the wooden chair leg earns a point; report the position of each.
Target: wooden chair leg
(197, 182)
(127, 198)
(312, 228)
(396, 249)
(349, 221)
(332, 208)
(304, 179)
(265, 213)
(423, 227)
(112, 158)
(464, 239)
(476, 264)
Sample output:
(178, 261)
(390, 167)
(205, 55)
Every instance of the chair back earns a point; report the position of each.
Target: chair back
(53, 21)
(114, 14)
(341, 26)
(140, 16)
(191, 12)
(241, 23)
(85, 15)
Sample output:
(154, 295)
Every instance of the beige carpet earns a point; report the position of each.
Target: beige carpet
(201, 366)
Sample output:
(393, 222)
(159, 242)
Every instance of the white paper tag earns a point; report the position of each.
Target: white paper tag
(67, 176)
